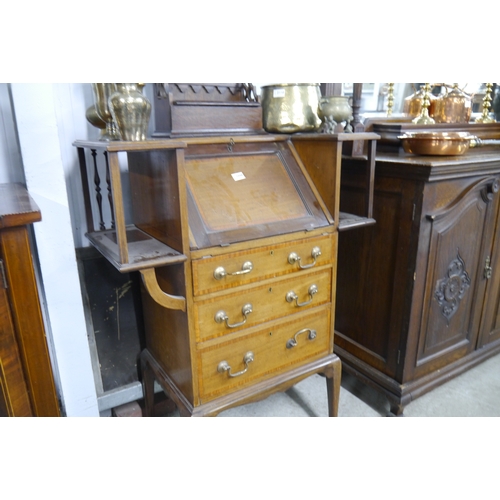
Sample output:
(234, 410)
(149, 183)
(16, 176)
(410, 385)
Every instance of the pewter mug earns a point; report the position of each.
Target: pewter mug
(290, 107)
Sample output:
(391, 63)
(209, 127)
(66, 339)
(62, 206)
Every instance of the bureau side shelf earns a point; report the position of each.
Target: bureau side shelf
(352, 221)
(144, 251)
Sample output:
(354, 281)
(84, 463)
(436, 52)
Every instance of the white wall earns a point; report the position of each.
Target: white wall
(48, 118)
(11, 169)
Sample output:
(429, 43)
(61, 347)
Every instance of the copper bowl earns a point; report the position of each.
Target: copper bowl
(436, 143)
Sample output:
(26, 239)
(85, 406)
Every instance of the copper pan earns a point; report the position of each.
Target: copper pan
(442, 143)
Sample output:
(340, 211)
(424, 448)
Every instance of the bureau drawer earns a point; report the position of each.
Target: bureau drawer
(257, 304)
(241, 360)
(212, 274)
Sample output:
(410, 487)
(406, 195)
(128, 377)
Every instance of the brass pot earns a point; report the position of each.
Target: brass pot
(290, 107)
(453, 107)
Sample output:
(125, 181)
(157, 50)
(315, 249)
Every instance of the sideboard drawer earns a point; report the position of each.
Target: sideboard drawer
(257, 304)
(240, 360)
(212, 274)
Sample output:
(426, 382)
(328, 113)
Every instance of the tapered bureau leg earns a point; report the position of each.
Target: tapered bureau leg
(333, 375)
(148, 381)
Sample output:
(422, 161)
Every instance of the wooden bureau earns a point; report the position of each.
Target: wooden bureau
(237, 252)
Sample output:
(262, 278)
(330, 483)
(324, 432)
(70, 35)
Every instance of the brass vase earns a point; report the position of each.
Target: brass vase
(96, 121)
(131, 111)
(102, 92)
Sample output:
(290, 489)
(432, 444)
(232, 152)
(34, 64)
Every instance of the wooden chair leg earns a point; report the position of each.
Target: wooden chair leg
(333, 377)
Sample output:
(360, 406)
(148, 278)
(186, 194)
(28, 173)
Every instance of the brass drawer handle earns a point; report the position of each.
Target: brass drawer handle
(223, 366)
(291, 296)
(221, 316)
(294, 258)
(220, 272)
(293, 342)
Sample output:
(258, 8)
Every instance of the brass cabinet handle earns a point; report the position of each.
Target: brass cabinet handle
(220, 272)
(291, 296)
(221, 316)
(223, 366)
(488, 270)
(293, 342)
(294, 258)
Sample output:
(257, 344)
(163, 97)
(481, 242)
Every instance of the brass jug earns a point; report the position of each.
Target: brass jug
(454, 106)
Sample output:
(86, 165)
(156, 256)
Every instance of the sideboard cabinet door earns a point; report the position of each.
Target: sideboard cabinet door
(490, 325)
(454, 244)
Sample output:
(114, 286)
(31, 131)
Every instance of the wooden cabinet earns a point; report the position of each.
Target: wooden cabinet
(420, 288)
(237, 253)
(26, 380)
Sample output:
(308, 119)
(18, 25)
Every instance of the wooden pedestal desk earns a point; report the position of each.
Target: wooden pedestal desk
(421, 288)
(237, 252)
(26, 381)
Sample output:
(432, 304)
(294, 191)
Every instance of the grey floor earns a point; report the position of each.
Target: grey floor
(475, 393)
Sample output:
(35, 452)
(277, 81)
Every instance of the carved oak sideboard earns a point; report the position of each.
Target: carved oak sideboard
(420, 288)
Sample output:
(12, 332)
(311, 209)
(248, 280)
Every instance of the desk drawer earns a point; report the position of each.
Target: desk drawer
(265, 262)
(230, 312)
(267, 350)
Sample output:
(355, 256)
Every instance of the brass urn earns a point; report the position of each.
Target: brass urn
(412, 105)
(454, 106)
(333, 110)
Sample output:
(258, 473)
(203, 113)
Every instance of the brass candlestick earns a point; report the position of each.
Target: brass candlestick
(485, 118)
(423, 118)
(390, 98)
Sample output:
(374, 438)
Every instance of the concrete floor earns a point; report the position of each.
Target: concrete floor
(475, 393)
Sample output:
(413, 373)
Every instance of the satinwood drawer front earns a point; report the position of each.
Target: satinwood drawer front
(238, 360)
(212, 274)
(251, 305)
